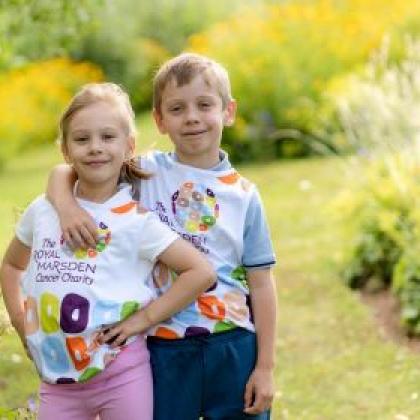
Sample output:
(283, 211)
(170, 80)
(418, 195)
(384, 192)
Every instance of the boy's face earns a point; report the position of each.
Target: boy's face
(193, 117)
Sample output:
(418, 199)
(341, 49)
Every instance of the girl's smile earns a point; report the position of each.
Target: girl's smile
(97, 145)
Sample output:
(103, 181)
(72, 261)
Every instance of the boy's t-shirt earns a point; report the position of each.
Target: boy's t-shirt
(69, 294)
(221, 214)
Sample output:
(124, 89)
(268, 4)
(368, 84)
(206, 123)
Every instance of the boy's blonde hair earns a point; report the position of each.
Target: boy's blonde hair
(93, 93)
(183, 68)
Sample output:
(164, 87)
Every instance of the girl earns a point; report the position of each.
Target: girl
(81, 313)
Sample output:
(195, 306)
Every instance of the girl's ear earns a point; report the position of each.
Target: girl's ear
(229, 113)
(159, 121)
(65, 153)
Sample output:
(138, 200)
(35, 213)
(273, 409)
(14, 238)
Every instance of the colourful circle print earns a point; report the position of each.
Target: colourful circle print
(195, 207)
(104, 238)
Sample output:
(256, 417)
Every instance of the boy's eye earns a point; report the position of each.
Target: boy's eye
(81, 139)
(108, 136)
(205, 105)
(175, 108)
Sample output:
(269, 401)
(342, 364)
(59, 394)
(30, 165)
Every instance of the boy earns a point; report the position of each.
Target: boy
(215, 359)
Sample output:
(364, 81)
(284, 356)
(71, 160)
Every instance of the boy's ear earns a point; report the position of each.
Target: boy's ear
(229, 113)
(131, 147)
(159, 121)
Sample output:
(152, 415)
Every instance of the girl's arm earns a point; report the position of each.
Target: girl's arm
(13, 265)
(195, 276)
(78, 227)
(259, 390)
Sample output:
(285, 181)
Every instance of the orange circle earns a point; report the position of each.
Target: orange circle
(212, 307)
(164, 332)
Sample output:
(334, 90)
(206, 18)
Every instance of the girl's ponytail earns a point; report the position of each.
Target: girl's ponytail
(131, 172)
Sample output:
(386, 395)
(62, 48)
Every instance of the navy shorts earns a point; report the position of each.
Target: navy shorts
(203, 377)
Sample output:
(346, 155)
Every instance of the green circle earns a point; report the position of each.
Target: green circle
(100, 246)
(208, 220)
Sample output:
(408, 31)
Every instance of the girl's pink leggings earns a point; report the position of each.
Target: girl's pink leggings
(124, 390)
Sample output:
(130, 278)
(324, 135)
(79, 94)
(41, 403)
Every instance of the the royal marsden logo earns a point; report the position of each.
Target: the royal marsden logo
(195, 207)
(104, 238)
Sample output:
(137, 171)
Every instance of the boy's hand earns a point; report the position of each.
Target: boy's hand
(259, 391)
(79, 229)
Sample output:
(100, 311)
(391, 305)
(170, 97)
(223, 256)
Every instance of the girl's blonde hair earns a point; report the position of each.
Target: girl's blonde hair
(92, 93)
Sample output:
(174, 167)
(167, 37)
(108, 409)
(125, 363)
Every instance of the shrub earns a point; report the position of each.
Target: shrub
(148, 33)
(282, 57)
(31, 99)
(379, 116)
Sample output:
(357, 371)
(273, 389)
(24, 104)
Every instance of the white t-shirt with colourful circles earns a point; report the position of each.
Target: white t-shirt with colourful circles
(70, 295)
(221, 214)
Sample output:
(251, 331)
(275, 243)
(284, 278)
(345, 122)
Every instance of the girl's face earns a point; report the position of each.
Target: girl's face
(97, 144)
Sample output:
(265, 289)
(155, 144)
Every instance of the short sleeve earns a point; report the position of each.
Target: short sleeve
(25, 227)
(155, 237)
(258, 248)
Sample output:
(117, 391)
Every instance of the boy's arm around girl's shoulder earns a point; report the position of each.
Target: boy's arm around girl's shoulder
(78, 227)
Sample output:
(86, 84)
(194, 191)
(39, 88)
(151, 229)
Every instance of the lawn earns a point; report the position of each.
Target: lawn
(332, 363)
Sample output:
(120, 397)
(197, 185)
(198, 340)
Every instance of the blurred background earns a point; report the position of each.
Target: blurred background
(328, 127)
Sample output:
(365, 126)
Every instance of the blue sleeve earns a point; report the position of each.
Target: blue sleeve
(258, 248)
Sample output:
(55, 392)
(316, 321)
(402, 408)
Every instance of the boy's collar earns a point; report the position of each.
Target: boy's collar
(222, 165)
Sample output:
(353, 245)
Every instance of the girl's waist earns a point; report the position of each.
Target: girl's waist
(133, 354)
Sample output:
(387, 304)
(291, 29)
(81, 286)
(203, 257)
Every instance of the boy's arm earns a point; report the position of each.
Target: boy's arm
(13, 265)
(78, 227)
(195, 276)
(259, 390)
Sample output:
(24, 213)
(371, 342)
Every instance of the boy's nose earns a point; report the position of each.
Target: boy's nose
(191, 115)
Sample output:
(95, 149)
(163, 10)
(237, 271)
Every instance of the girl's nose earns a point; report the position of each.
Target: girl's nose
(95, 145)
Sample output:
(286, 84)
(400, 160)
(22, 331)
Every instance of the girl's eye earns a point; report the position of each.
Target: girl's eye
(80, 139)
(108, 136)
(205, 105)
(175, 109)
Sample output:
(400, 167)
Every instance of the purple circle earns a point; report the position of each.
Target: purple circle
(196, 332)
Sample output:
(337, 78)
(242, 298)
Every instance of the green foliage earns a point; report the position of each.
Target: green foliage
(372, 261)
(148, 33)
(378, 111)
(31, 99)
(406, 283)
(130, 63)
(383, 205)
(17, 414)
(281, 59)
(32, 30)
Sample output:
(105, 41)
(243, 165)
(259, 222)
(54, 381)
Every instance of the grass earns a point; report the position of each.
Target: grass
(331, 361)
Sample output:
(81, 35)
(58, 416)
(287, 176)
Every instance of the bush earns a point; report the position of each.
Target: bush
(380, 119)
(131, 63)
(149, 32)
(35, 30)
(282, 57)
(32, 98)
(406, 283)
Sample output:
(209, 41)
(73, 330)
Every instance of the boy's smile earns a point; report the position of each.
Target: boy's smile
(193, 116)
